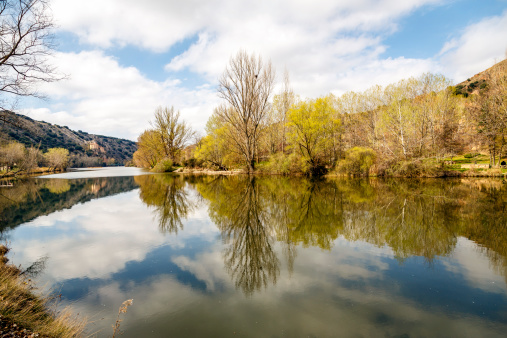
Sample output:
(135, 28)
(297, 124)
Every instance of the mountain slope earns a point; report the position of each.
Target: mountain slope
(46, 135)
(474, 84)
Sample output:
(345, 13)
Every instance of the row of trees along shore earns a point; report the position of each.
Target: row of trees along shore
(406, 128)
(16, 159)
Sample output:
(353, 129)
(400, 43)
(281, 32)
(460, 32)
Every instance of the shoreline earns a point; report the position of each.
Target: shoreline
(492, 173)
(36, 172)
(25, 313)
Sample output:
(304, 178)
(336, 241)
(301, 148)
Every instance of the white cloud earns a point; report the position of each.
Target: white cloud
(154, 25)
(98, 238)
(102, 97)
(310, 38)
(474, 264)
(317, 42)
(157, 25)
(327, 46)
(344, 294)
(479, 47)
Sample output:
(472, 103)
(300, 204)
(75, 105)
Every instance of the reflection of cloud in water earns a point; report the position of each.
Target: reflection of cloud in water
(318, 300)
(99, 172)
(50, 220)
(354, 288)
(471, 261)
(207, 267)
(97, 238)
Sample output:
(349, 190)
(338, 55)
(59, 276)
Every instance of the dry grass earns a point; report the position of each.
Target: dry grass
(20, 305)
(123, 309)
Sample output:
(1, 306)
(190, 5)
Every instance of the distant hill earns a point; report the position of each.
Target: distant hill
(479, 81)
(79, 143)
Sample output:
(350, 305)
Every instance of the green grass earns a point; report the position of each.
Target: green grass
(461, 170)
(453, 166)
(461, 159)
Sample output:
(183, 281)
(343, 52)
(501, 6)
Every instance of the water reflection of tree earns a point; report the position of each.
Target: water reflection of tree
(413, 217)
(485, 220)
(33, 197)
(410, 217)
(237, 209)
(167, 194)
(303, 212)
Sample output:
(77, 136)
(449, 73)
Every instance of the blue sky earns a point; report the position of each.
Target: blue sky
(129, 57)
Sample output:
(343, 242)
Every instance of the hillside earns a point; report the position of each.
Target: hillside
(80, 144)
(474, 84)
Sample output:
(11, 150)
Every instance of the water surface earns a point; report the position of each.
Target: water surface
(267, 256)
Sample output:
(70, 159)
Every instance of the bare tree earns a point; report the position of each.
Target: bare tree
(246, 85)
(287, 99)
(25, 43)
(173, 134)
(12, 154)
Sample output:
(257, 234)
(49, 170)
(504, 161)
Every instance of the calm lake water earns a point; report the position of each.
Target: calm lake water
(266, 256)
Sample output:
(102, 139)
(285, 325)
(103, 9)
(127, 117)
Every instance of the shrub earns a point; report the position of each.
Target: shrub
(163, 166)
(357, 162)
(57, 158)
(412, 168)
(12, 154)
(192, 163)
(283, 164)
(471, 155)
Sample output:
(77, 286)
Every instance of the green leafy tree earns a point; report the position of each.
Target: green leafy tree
(150, 149)
(357, 161)
(214, 149)
(311, 122)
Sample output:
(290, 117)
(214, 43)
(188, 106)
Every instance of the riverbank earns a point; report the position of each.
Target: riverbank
(204, 171)
(462, 170)
(23, 174)
(437, 173)
(23, 313)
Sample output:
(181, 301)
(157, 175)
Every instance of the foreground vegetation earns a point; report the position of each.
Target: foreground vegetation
(24, 310)
(415, 127)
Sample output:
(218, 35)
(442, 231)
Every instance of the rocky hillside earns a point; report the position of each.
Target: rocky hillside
(478, 82)
(45, 135)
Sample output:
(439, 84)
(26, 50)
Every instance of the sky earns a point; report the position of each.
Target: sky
(124, 58)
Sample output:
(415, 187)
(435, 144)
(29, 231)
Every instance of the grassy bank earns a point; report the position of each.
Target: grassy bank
(22, 309)
(21, 173)
(425, 168)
